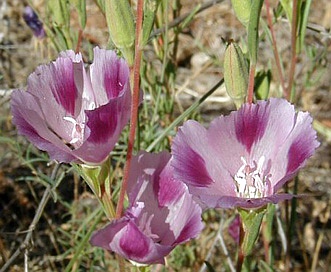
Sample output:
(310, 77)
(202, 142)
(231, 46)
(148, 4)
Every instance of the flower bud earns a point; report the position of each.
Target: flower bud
(121, 27)
(235, 74)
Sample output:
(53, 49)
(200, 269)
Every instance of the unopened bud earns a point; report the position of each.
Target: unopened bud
(235, 74)
(121, 27)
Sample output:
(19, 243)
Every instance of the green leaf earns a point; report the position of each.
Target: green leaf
(121, 27)
(80, 5)
(302, 23)
(98, 179)
(150, 9)
(242, 9)
(262, 84)
(253, 30)
(59, 12)
(288, 7)
(251, 220)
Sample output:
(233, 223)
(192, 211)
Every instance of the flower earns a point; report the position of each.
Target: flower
(243, 159)
(32, 20)
(75, 115)
(161, 213)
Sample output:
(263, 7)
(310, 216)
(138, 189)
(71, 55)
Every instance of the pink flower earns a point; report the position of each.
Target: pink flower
(161, 213)
(73, 114)
(243, 159)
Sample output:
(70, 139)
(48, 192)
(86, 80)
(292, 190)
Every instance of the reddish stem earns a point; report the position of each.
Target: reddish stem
(241, 255)
(134, 108)
(274, 44)
(250, 89)
(79, 41)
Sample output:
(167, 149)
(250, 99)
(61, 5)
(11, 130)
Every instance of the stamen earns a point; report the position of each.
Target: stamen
(250, 181)
(77, 134)
(145, 226)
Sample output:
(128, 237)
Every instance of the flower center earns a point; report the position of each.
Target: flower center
(144, 220)
(250, 181)
(77, 133)
(145, 226)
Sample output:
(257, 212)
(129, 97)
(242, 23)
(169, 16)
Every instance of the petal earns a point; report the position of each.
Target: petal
(226, 151)
(226, 202)
(184, 216)
(185, 219)
(109, 75)
(104, 126)
(134, 243)
(292, 155)
(190, 155)
(171, 190)
(124, 237)
(197, 160)
(57, 84)
(250, 123)
(144, 186)
(145, 166)
(53, 87)
(279, 125)
(103, 238)
(30, 122)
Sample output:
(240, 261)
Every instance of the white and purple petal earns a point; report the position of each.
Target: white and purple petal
(80, 114)
(30, 121)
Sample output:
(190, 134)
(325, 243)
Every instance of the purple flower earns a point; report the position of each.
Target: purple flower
(161, 213)
(243, 159)
(72, 114)
(32, 20)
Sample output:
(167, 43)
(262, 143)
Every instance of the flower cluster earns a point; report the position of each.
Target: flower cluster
(241, 160)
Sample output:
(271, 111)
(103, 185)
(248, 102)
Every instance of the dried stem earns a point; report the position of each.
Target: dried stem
(134, 108)
(24, 247)
(275, 49)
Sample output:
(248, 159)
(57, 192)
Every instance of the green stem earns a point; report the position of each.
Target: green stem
(290, 90)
